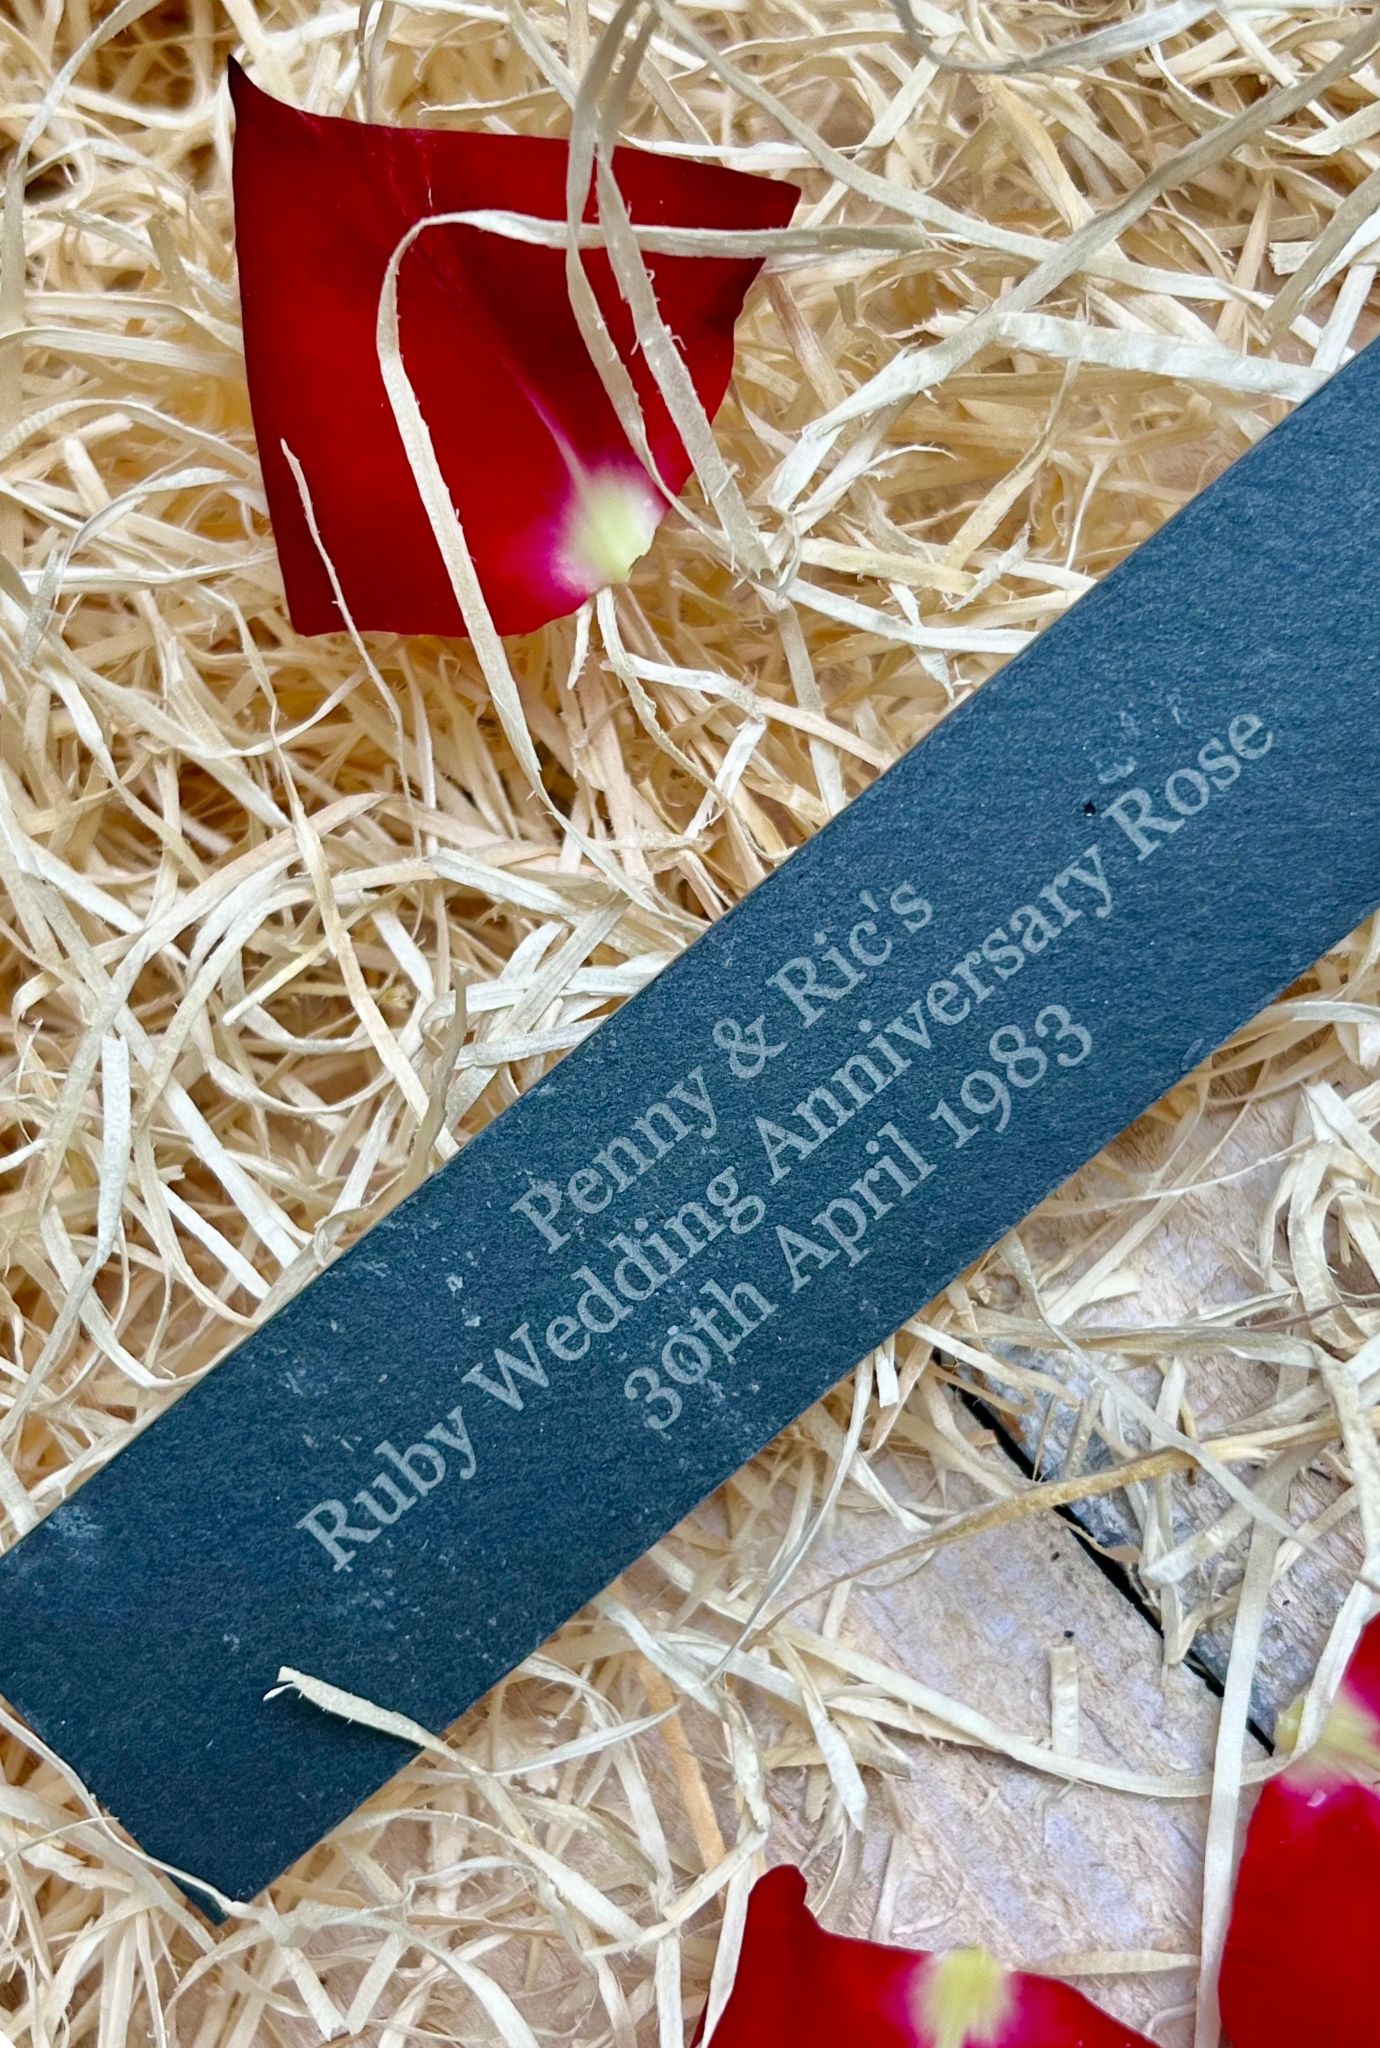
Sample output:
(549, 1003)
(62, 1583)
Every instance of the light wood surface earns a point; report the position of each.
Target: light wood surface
(1000, 1854)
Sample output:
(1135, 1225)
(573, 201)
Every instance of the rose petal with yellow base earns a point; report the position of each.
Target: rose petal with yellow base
(1299, 1966)
(800, 1987)
(554, 501)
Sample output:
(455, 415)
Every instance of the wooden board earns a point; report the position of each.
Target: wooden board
(1205, 1253)
(991, 1851)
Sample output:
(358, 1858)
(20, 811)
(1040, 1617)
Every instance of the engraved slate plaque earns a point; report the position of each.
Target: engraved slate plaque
(1038, 921)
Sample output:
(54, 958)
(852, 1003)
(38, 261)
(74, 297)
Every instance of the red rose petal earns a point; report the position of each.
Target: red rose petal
(1300, 1956)
(1362, 1681)
(553, 500)
(798, 1987)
